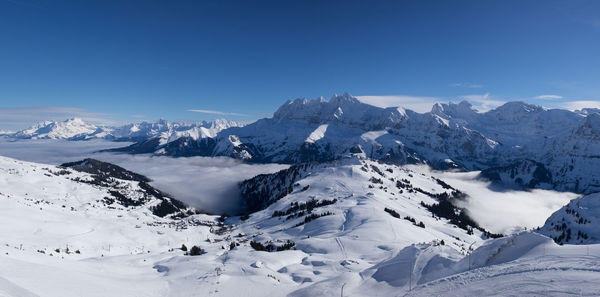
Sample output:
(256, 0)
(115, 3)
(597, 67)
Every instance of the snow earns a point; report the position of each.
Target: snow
(59, 237)
(130, 252)
(317, 134)
(71, 128)
(577, 221)
(472, 140)
(213, 177)
(77, 129)
(526, 264)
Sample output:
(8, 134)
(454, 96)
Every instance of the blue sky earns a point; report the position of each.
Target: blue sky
(122, 61)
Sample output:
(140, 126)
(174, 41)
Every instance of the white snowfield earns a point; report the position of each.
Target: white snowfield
(58, 240)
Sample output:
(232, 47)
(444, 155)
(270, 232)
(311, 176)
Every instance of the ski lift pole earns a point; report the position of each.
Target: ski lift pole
(470, 252)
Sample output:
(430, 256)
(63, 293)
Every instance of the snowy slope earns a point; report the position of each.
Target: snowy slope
(573, 156)
(576, 222)
(61, 235)
(527, 264)
(349, 241)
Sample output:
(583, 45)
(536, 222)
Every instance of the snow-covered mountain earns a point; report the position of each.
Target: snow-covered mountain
(73, 129)
(164, 131)
(111, 185)
(514, 124)
(521, 174)
(169, 131)
(319, 130)
(353, 225)
(576, 222)
(450, 136)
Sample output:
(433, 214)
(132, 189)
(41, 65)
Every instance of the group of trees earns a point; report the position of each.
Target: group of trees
(270, 247)
(312, 217)
(395, 214)
(308, 206)
(193, 251)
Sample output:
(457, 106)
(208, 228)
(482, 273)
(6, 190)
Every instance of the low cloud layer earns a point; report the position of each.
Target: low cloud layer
(503, 211)
(207, 183)
(581, 104)
(210, 184)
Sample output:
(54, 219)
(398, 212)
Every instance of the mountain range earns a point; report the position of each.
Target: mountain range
(77, 129)
(450, 136)
(505, 140)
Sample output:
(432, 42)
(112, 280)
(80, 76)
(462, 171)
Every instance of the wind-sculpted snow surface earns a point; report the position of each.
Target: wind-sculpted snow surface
(527, 264)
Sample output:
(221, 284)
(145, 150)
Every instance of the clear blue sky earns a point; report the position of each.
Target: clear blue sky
(128, 60)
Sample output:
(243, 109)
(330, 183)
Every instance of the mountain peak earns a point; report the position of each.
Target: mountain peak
(346, 98)
(519, 107)
(462, 110)
(317, 110)
(75, 120)
(67, 129)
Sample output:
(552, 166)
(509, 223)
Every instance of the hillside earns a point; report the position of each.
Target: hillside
(309, 229)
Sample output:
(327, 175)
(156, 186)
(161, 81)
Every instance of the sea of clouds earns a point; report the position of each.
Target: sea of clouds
(502, 210)
(211, 184)
(207, 183)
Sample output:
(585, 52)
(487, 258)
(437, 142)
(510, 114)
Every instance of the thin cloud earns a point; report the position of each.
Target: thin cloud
(595, 23)
(548, 97)
(483, 102)
(581, 104)
(467, 85)
(415, 103)
(223, 113)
